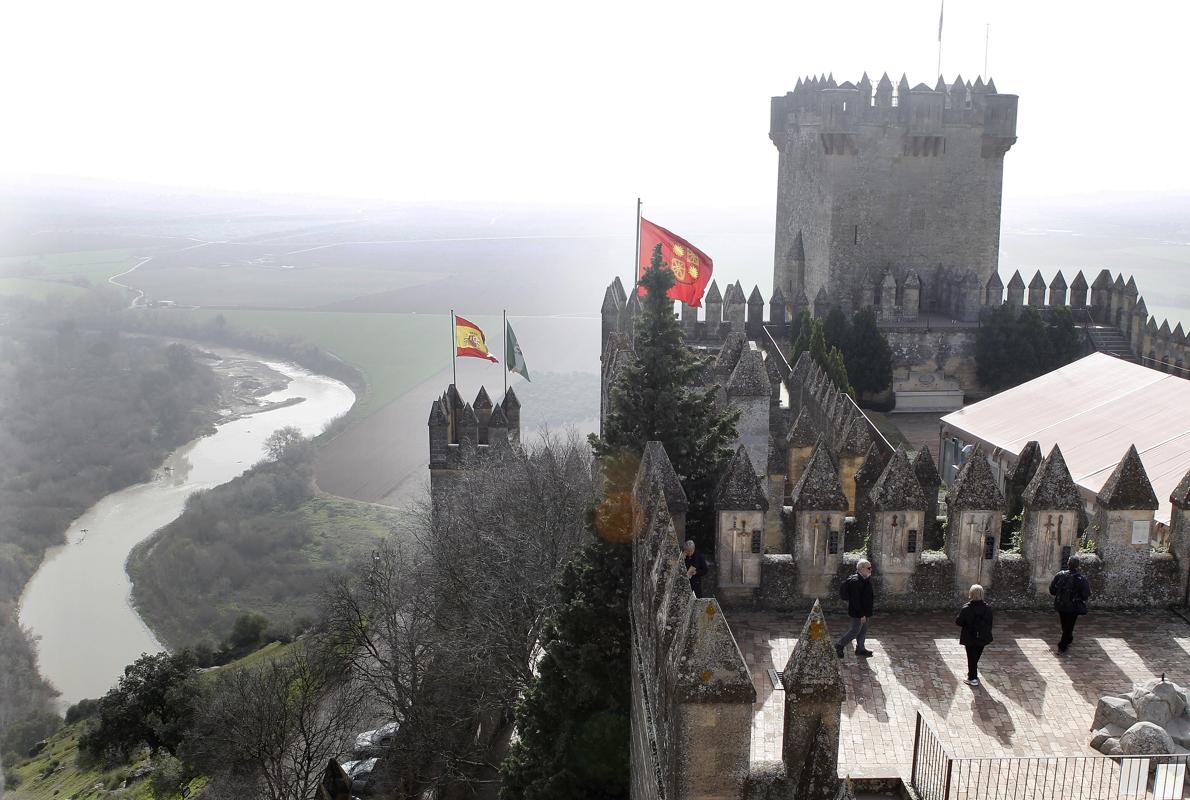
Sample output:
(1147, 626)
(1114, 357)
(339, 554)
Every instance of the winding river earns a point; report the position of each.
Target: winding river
(79, 602)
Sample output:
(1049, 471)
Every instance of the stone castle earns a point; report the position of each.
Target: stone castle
(887, 198)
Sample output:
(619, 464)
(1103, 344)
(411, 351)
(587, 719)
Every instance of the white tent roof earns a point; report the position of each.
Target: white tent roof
(1093, 408)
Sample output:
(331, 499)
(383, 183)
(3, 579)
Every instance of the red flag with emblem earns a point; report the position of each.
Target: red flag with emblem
(691, 267)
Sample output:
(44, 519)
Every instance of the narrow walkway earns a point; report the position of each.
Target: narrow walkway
(1033, 702)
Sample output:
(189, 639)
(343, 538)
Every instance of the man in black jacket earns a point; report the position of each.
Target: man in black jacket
(857, 591)
(696, 567)
(1071, 591)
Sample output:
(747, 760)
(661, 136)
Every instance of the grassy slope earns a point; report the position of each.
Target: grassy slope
(41, 779)
(394, 351)
(71, 780)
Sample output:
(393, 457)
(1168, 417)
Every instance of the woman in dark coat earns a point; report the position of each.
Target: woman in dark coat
(975, 618)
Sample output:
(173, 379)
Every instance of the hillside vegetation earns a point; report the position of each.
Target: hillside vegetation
(82, 414)
(261, 544)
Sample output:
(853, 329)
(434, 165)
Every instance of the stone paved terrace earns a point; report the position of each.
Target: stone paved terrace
(1033, 702)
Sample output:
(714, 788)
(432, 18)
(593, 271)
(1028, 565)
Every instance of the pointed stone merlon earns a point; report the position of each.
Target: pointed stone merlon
(512, 413)
(1123, 522)
(1049, 526)
(656, 469)
(1017, 479)
(1078, 291)
(712, 718)
(814, 694)
(610, 312)
(897, 522)
(819, 506)
(749, 389)
(975, 512)
(740, 507)
(1179, 529)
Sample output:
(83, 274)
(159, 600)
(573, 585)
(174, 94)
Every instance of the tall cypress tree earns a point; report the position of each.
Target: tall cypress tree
(574, 721)
(869, 357)
(657, 398)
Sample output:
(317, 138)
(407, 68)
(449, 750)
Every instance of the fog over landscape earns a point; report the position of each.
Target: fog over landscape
(319, 187)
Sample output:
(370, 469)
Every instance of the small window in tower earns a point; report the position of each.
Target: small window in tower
(844, 106)
(833, 545)
(989, 548)
(757, 542)
(855, 235)
(911, 542)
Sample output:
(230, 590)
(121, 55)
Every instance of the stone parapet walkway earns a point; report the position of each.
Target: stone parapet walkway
(1033, 702)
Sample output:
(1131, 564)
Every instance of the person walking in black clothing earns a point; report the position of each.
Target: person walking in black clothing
(976, 620)
(857, 591)
(696, 567)
(1071, 591)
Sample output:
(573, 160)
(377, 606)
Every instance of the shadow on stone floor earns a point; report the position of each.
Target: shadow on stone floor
(1005, 667)
(992, 716)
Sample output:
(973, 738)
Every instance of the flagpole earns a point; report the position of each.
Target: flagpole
(941, 8)
(987, 34)
(636, 253)
(506, 352)
(454, 375)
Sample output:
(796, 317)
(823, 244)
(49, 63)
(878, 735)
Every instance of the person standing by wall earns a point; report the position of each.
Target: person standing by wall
(1071, 591)
(857, 590)
(696, 567)
(975, 618)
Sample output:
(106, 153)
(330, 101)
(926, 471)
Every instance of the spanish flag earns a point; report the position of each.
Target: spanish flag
(470, 341)
(691, 267)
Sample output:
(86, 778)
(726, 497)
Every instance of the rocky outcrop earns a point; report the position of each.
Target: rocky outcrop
(1153, 718)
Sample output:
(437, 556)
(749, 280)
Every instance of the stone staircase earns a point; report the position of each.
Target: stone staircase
(1108, 339)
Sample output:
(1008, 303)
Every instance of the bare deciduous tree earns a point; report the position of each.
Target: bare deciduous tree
(267, 731)
(443, 626)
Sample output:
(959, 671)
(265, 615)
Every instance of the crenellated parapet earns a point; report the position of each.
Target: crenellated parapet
(462, 434)
(688, 674)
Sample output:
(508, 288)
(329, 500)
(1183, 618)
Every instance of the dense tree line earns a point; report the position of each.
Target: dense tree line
(1014, 346)
(82, 413)
(854, 353)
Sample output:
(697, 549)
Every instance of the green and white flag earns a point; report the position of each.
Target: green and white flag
(513, 356)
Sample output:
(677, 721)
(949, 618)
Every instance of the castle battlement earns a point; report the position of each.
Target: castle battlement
(836, 109)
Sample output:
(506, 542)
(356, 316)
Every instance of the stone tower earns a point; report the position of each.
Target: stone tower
(876, 181)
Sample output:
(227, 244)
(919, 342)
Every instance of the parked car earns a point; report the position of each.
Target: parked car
(375, 742)
(360, 773)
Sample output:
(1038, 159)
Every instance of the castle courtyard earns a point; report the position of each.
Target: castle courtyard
(1033, 702)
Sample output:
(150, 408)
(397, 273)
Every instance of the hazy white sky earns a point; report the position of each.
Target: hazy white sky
(559, 101)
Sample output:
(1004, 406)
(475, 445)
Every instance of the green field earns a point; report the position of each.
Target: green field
(394, 351)
(39, 276)
(255, 285)
(36, 289)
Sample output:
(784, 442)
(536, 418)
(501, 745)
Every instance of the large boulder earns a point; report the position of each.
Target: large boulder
(1099, 737)
(1116, 711)
(1173, 695)
(1145, 738)
(1151, 708)
(1179, 730)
